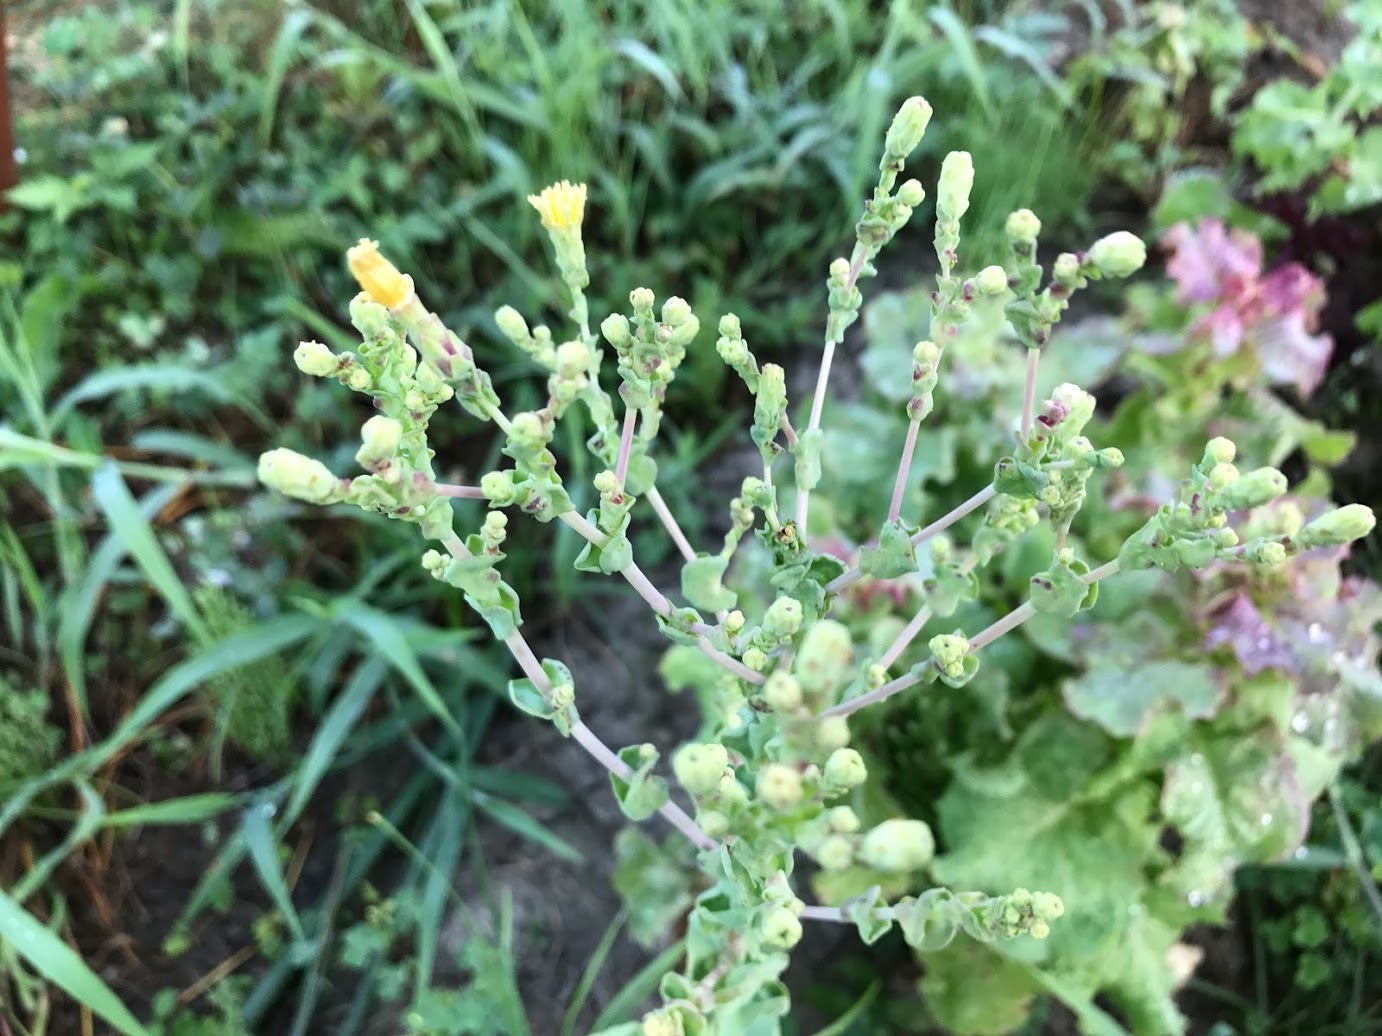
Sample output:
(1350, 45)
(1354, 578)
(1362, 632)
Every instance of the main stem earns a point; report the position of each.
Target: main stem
(621, 467)
(1029, 391)
(904, 467)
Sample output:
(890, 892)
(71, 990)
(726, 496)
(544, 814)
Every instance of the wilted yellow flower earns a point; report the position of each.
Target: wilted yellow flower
(377, 276)
(561, 206)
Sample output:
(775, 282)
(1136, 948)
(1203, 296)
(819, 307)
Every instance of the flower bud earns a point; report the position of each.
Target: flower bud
(825, 656)
(843, 820)
(529, 431)
(1222, 475)
(379, 437)
(957, 180)
(700, 767)
(1224, 538)
(1338, 527)
(911, 193)
(1109, 457)
(1120, 254)
(615, 328)
(834, 853)
(783, 617)
(498, 487)
(926, 355)
(832, 732)
(358, 380)
(1266, 552)
(511, 324)
(948, 650)
(573, 358)
(779, 786)
(782, 692)
(756, 659)
(839, 270)
(845, 769)
(908, 127)
(781, 928)
(714, 823)
(898, 846)
(316, 359)
(676, 311)
(642, 299)
(1252, 490)
(1023, 227)
(734, 623)
(376, 275)
(368, 316)
(300, 477)
(1066, 268)
(1219, 451)
(991, 280)
(730, 327)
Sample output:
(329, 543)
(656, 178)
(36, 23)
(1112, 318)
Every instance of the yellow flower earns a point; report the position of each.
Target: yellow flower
(377, 276)
(561, 206)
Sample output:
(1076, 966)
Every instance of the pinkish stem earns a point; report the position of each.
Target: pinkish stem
(621, 467)
(904, 468)
(1029, 391)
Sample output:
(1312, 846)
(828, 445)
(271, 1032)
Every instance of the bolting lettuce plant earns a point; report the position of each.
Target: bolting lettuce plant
(772, 776)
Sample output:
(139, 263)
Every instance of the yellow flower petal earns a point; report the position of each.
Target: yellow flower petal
(561, 206)
(376, 275)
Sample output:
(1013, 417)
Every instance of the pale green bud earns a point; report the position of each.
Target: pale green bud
(730, 792)
(1047, 905)
(843, 820)
(358, 380)
(714, 823)
(379, 437)
(573, 358)
(835, 853)
(911, 193)
(991, 280)
(730, 327)
(676, 311)
(369, 317)
(606, 483)
(782, 692)
(755, 659)
(1222, 475)
(825, 656)
(779, 786)
(783, 618)
(498, 487)
(615, 328)
(1268, 552)
(1023, 227)
(1224, 538)
(642, 299)
(511, 324)
(781, 928)
(898, 846)
(1220, 451)
(839, 270)
(734, 622)
(1066, 268)
(528, 431)
(300, 477)
(1110, 457)
(845, 769)
(949, 651)
(908, 127)
(957, 180)
(663, 1023)
(832, 732)
(1120, 254)
(700, 767)
(316, 359)
(1254, 489)
(1338, 527)
(926, 355)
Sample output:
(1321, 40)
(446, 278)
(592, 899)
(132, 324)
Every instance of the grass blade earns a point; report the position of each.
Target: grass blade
(522, 823)
(591, 973)
(388, 638)
(629, 999)
(334, 728)
(188, 809)
(962, 46)
(129, 523)
(60, 965)
(263, 849)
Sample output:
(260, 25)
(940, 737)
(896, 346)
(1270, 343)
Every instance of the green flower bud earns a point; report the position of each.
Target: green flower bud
(911, 193)
(783, 618)
(1338, 527)
(1110, 457)
(1047, 905)
(1219, 451)
(734, 623)
(511, 324)
(834, 853)
(832, 732)
(926, 355)
(957, 180)
(1066, 269)
(839, 270)
(1266, 552)
(1194, 553)
(370, 318)
(756, 659)
(529, 431)
(1023, 227)
(948, 650)
(359, 380)
(714, 823)
(700, 767)
(730, 792)
(380, 437)
(1224, 538)
(898, 846)
(615, 328)
(642, 300)
(606, 482)
(664, 1022)
(843, 820)
(782, 692)
(781, 928)
(908, 127)
(1120, 254)
(991, 280)
(300, 477)
(730, 327)
(845, 769)
(1254, 489)
(316, 359)
(498, 487)
(825, 656)
(676, 311)
(573, 358)
(1222, 475)
(779, 786)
